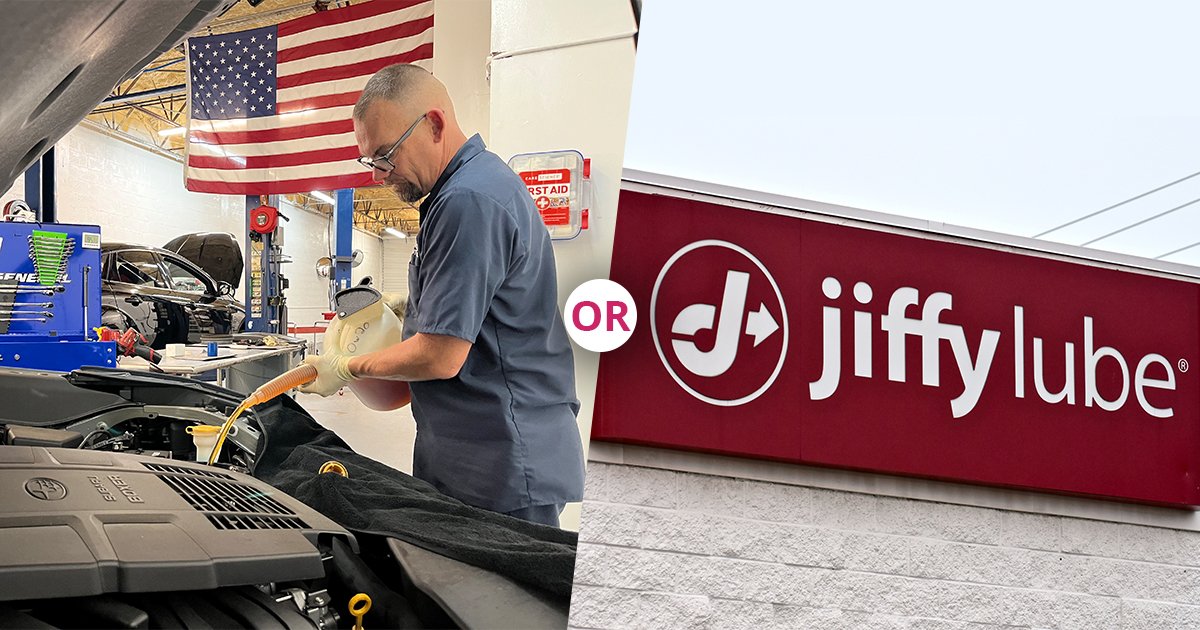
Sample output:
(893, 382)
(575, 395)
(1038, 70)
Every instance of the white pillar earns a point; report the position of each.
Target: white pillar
(561, 77)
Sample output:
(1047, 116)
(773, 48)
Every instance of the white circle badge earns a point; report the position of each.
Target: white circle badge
(600, 315)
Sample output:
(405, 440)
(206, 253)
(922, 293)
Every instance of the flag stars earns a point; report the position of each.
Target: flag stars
(237, 42)
(261, 46)
(260, 99)
(208, 45)
(222, 44)
(253, 39)
(268, 89)
(268, 106)
(269, 53)
(269, 36)
(252, 108)
(270, 71)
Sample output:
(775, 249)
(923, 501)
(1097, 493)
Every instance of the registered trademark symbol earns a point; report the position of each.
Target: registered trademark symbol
(1183, 365)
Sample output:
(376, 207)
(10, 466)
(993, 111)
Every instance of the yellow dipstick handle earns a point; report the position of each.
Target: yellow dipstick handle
(333, 467)
(288, 380)
(359, 611)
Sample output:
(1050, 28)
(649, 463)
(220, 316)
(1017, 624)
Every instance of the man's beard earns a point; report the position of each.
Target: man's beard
(407, 191)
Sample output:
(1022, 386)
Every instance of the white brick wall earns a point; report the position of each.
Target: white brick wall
(135, 195)
(668, 549)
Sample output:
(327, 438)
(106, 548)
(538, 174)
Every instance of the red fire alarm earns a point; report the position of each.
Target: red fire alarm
(264, 219)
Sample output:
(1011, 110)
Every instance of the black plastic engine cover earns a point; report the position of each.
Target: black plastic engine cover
(79, 523)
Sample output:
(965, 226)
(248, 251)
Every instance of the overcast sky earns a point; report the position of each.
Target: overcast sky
(1016, 117)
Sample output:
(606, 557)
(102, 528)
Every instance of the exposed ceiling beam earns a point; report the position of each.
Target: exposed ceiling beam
(137, 96)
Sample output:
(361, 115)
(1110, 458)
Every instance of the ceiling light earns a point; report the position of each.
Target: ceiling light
(394, 232)
(323, 197)
(172, 131)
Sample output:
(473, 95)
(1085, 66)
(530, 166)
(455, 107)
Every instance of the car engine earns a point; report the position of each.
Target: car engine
(134, 541)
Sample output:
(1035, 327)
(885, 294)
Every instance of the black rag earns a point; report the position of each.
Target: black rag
(381, 500)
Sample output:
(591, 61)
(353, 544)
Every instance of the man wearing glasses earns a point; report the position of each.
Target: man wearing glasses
(485, 349)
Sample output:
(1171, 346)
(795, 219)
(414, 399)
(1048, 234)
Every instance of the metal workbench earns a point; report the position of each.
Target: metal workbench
(240, 368)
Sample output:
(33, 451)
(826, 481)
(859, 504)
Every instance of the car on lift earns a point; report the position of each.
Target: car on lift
(164, 296)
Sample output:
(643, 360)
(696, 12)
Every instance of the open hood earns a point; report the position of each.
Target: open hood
(217, 253)
(59, 59)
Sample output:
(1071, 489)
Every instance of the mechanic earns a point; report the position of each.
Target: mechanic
(484, 346)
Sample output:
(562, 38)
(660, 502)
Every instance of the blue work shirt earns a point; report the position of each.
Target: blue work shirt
(500, 435)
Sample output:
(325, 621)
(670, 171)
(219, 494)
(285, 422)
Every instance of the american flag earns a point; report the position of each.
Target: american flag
(270, 107)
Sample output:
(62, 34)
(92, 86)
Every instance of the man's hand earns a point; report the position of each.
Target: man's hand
(333, 373)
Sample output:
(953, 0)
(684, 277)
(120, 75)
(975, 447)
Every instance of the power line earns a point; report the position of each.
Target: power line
(1177, 250)
(1117, 205)
(1133, 225)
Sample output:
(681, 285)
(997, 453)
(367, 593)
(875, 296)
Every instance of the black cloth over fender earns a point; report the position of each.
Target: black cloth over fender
(381, 500)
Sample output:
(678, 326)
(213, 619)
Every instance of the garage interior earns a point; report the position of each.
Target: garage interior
(118, 162)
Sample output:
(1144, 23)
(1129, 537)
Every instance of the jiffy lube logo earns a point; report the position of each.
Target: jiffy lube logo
(974, 365)
(720, 327)
(719, 322)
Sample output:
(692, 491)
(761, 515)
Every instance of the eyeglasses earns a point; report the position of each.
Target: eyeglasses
(384, 163)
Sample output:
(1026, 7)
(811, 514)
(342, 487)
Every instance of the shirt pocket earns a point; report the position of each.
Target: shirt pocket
(414, 285)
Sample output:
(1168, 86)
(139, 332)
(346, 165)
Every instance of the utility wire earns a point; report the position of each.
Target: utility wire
(1147, 220)
(1117, 205)
(1177, 250)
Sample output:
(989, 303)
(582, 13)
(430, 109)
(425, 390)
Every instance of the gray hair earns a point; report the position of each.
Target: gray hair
(397, 83)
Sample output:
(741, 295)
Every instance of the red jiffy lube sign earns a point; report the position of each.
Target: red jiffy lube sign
(783, 338)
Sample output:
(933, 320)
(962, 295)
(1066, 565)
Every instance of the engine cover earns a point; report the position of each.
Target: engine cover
(76, 523)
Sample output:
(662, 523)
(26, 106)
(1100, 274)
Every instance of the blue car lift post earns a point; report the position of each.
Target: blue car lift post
(39, 188)
(343, 229)
(266, 306)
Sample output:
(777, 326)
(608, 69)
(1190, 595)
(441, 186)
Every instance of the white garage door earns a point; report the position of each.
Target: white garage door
(396, 253)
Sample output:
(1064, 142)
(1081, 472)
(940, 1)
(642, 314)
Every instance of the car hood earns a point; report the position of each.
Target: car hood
(58, 60)
(217, 253)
